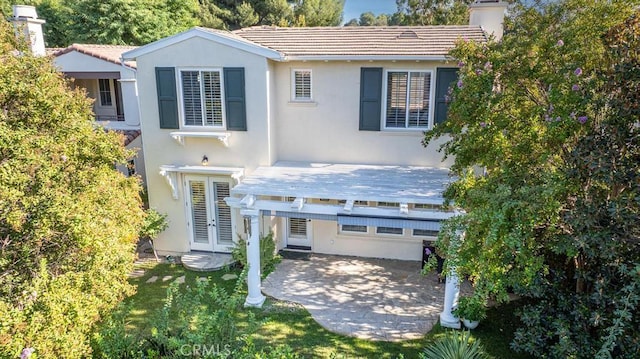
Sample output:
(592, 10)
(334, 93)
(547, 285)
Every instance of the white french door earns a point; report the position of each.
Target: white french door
(208, 215)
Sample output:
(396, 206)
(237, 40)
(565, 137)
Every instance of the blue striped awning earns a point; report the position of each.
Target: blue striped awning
(431, 225)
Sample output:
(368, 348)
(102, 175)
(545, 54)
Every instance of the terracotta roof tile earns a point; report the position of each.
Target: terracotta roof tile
(111, 53)
(129, 135)
(354, 41)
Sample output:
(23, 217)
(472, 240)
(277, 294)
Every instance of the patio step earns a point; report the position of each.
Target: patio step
(206, 261)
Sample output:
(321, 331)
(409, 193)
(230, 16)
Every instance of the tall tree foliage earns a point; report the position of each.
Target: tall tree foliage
(432, 12)
(130, 22)
(551, 116)
(68, 219)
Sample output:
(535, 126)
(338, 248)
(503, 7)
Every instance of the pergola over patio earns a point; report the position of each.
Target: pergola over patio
(406, 185)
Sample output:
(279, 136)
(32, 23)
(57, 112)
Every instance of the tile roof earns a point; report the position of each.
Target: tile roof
(361, 41)
(128, 135)
(111, 53)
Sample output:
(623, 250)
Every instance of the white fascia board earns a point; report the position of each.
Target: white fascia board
(216, 37)
(367, 58)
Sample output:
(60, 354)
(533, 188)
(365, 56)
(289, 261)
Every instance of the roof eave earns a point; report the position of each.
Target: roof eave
(196, 32)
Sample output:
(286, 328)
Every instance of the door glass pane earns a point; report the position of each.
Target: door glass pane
(297, 227)
(199, 212)
(225, 234)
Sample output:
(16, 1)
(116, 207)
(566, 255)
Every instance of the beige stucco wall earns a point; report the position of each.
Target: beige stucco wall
(246, 149)
(326, 130)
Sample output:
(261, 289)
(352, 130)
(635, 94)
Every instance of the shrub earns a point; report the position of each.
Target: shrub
(268, 256)
(471, 308)
(455, 345)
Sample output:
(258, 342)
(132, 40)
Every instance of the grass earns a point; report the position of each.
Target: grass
(288, 323)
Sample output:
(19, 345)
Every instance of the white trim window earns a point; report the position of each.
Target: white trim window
(425, 233)
(202, 98)
(389, 230)
(407, 99)
(353, 228)
(301, 85)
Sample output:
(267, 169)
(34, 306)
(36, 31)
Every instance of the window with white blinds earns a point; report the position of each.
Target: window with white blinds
(407, 99)
(297, 227)
(225, 233)
(302, 85)
(202, 98)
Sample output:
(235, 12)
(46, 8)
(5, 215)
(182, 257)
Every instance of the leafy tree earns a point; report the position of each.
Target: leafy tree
(432, 12)
(369, 19)
(352, 22)
(68, 219)
(131, 22)
(246, 16)
(213, 15)
(550, 116)
(320, 12)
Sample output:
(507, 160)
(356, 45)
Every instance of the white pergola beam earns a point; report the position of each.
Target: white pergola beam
(297, 204)
(248, 201)
(348, 206)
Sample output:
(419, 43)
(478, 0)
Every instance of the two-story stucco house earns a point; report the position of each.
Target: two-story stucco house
(311, 133)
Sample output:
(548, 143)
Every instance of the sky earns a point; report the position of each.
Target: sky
(353, 8)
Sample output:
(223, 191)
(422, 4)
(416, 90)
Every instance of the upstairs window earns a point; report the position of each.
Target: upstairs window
(301, 85)
(408, 95)
(202, 98)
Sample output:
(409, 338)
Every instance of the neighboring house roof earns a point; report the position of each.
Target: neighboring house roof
(129, 135)
(329, 43)
(111, 53)
(369, 42)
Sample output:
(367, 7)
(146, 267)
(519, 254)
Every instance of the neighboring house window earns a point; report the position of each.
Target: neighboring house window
(202, 98)
(301, 85)
(105, 92)
(408, 95)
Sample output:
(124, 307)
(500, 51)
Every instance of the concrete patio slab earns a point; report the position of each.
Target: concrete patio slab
(375, 299)
(206, 261)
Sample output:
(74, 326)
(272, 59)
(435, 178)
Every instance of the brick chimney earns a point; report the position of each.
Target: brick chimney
(489, 15)
(26, 23)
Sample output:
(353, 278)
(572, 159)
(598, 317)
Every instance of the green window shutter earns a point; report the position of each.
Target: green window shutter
(370, 98)
(235, 107)
(167, 97)
(444, 79)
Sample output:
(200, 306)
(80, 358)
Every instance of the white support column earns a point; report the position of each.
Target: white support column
(255, 297)
(451, 292)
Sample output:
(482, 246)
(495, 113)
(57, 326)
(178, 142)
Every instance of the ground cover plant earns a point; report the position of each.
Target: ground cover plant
(285, 329)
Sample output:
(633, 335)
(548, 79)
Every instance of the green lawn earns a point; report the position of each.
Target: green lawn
(290, 324)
